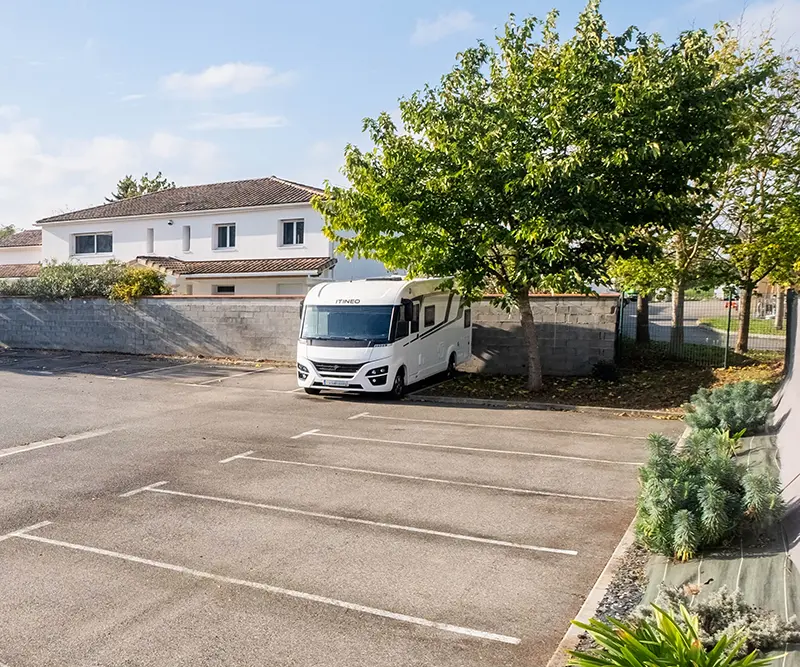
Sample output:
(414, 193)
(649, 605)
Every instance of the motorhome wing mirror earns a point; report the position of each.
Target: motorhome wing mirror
(408, 310)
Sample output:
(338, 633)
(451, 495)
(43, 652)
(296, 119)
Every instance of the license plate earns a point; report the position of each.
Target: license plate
(335, 383)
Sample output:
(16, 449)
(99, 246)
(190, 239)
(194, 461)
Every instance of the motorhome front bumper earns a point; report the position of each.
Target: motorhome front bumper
(367, 376)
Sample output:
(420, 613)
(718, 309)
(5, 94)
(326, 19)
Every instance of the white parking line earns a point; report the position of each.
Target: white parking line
(533, 492)
(277, 590)
(159, 369)
(142, 489)
(238, 456)
(11, 451)
(515, 452)
(367, 415)
(235, 375)
(158, 488)
(22, 531)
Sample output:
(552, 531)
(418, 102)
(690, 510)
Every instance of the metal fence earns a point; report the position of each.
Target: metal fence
(710, 331)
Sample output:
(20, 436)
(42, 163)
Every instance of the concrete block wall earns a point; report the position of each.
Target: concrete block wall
(246, 328)
(575, 332)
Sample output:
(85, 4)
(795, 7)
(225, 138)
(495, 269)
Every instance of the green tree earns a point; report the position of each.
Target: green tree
(6, 231)
(129, 187)
(759, 201)
(643, 276)
(533, 162)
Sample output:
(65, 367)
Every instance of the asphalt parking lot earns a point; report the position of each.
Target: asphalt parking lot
(176, 512)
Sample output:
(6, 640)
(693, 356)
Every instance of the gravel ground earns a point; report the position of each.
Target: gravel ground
(625, 592)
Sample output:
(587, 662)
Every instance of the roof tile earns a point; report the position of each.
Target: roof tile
(231, 266)
(209, 197)
(27, 237)
(19, 271)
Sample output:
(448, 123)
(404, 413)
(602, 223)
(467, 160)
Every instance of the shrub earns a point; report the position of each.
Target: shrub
(725, 613)
(662, 640)
(19, 287)
(741, 406)
(700, 497)
(71, 280)
(138, 281)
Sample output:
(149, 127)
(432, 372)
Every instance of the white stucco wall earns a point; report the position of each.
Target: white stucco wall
(258, 235)
(23, 255)
(245, 286)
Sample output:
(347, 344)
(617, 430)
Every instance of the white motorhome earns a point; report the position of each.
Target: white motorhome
(380, 335)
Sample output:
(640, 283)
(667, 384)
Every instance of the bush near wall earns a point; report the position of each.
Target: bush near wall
(70, 280)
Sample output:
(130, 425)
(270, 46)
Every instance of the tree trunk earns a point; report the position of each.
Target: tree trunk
(643, 318)
(745, 304)
(678, 299)
(780, 308)
(531, 340)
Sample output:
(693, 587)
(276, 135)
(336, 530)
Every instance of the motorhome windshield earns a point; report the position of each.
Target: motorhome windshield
(366, 323)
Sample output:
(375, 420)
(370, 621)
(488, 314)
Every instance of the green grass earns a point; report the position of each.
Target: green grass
(756, 326)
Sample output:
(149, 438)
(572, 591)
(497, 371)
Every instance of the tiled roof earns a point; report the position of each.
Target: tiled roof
(210, 197)
(18, 271)
(28, 237)
(218, 266)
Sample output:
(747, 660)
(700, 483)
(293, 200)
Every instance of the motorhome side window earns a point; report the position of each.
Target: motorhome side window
(415, 319)
(430, 316)
(467, 318)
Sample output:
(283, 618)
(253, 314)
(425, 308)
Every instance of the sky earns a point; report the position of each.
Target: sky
(205, 91)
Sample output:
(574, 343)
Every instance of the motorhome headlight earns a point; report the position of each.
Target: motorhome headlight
(302, 368)
(381, 370)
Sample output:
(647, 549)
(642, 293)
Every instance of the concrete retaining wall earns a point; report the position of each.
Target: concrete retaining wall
(574, 332)
(247, 328)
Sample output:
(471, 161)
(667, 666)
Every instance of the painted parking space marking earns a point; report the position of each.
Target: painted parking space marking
(12, 451)
(25, 534)
(158, 487)
(160, 369)
(514, 452)
(367, 415)
(235, 375)
(436, 480)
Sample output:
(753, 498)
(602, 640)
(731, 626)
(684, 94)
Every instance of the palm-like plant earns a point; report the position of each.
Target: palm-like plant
(660, 642)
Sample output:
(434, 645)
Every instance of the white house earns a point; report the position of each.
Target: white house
(258, 236)
(20, 254)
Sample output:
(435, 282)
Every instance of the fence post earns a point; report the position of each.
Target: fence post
(618, 333)
(728, 330)
(791, 329)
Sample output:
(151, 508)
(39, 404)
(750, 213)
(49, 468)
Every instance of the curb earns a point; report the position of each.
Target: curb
(599, 590)
(593, 600)
(418, 397)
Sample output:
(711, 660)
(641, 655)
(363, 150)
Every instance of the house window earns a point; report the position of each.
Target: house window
(150, 241)
(226, 236)
(224, 289)
(430, 316)
(293, 232)
(93, 244)
(187, 238)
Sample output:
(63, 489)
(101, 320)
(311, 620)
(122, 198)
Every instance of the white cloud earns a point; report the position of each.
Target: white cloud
(230, 77)
(246, 120)
(132, 97)
(39, 176)
(428, 31)
(780, 18)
